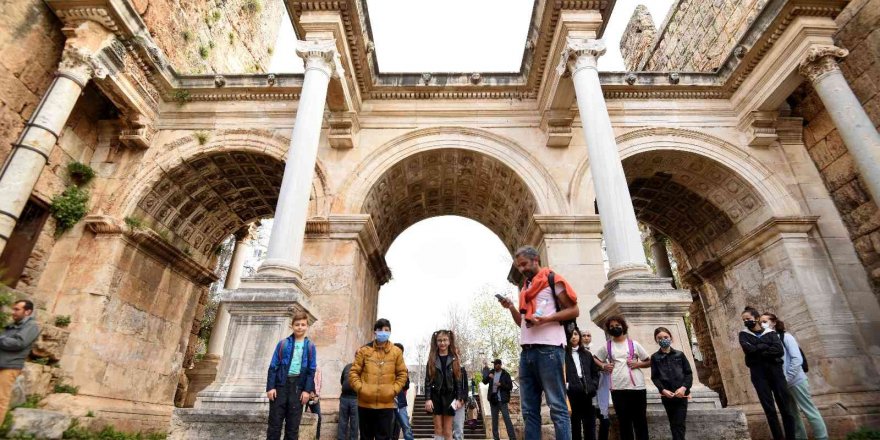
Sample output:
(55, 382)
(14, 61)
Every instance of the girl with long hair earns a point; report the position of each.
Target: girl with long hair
(795, 368)
(444, 393)
(763, 350)
(582, 379)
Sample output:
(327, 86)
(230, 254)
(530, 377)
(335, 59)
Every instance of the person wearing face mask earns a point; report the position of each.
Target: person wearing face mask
(624, 359)
(672, 375)
(764, 352)
(798, 386)
(377, 375)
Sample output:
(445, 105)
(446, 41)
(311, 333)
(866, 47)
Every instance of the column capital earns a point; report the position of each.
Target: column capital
(820, 61)
(320, 55)
(580, 53)
(80, 60)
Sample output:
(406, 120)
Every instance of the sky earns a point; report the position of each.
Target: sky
(487, 36)
(440, 263)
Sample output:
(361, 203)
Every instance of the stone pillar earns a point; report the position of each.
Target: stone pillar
(661, 257)
(622, 239)
(30, 152)
(856, 129)
(286, 241)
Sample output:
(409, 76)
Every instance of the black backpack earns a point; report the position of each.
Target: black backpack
(805, 366)
(569, 325)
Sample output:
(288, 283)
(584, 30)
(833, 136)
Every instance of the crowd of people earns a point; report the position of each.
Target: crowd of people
(556, 363)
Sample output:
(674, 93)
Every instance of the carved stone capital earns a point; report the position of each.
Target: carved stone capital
(320, 55)
(820, 61)
(580, 53)
(81, 64)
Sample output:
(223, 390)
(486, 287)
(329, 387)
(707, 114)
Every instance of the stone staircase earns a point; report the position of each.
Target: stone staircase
(423, 423)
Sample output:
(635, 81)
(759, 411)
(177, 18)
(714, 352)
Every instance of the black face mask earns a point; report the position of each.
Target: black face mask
(615, 331)
(750, 324)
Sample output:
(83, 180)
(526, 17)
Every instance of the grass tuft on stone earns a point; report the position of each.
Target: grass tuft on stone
(62, 321)
(68, 208)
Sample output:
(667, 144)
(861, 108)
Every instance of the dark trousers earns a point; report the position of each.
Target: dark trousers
(285, 410)
(676, 411)
(769, 382)
(315, 408)
(631, 407)
(375, 424)
(502, 408)
(347, 429)
(583, 416)
(604, 427)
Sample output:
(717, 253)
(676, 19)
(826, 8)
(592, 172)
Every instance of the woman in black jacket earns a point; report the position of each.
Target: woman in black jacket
(582, 379)
(764, 351)
(444, 390)
(672, 375)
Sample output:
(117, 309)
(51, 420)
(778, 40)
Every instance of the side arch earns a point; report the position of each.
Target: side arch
(749, 169)
(178, 151)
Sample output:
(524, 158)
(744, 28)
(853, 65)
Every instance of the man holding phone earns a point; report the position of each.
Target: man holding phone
(500, 386)
(546, 301)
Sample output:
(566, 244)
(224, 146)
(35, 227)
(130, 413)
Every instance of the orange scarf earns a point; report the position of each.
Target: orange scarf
(529, 293)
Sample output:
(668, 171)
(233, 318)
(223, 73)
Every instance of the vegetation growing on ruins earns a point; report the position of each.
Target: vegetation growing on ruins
(69, 207)
(134, 223)
(62, 321)
(80, 173)
(201, 137)
(252, 6)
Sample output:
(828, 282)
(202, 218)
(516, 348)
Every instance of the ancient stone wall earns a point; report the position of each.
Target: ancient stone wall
(859, 32)
(207, 36)
(31, 43)
(696, 36)
(637, 38)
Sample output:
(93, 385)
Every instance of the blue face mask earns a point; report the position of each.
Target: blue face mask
(382, 336)
(665, 343)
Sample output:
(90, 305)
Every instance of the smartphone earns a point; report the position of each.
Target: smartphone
(500, 297)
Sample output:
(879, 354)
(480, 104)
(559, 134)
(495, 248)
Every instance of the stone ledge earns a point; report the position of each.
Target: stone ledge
(220, 424)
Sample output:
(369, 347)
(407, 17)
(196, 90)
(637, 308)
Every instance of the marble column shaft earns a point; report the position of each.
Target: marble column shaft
(288, 230)
(855, 127)
(619, 227)
(233, 280)
(31, 150)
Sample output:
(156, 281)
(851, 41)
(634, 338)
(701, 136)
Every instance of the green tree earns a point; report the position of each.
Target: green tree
(495, 334)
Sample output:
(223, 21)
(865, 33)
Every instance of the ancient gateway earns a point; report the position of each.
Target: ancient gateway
(744, 132)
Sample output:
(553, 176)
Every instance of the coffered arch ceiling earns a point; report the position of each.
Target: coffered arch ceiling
(451, 182)
(209, 196)
(694, 200)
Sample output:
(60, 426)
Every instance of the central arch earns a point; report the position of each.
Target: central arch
(479, 151)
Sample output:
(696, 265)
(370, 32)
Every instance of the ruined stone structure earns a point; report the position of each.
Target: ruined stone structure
(745, 133)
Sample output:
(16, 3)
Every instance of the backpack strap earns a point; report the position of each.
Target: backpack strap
(631, 355)
(281, 349)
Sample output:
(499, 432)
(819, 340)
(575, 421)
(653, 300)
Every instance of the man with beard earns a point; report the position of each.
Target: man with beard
(546, 302)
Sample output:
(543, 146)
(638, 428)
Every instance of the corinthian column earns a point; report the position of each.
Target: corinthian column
(32, 148)
(288, 230)
(622, 238)
(856, 129)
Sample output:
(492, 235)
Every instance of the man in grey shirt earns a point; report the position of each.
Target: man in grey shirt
(15, 345)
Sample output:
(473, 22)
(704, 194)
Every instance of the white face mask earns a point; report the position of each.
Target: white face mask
(765, 325)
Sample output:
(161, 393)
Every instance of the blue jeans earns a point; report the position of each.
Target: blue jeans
(347, 428)
(541, 371)
(402, 424)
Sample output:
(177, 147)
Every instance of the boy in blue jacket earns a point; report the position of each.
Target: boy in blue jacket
(291, 379)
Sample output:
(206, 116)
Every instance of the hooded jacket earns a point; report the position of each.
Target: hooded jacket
(761, 350)
(377, 375)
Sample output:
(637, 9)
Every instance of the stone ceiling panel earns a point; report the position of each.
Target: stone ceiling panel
(209, 196)
(451, 182)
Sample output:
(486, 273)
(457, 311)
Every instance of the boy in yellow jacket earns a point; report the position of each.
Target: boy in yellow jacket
(378, 374)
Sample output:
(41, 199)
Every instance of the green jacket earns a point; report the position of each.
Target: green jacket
(16, 342)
